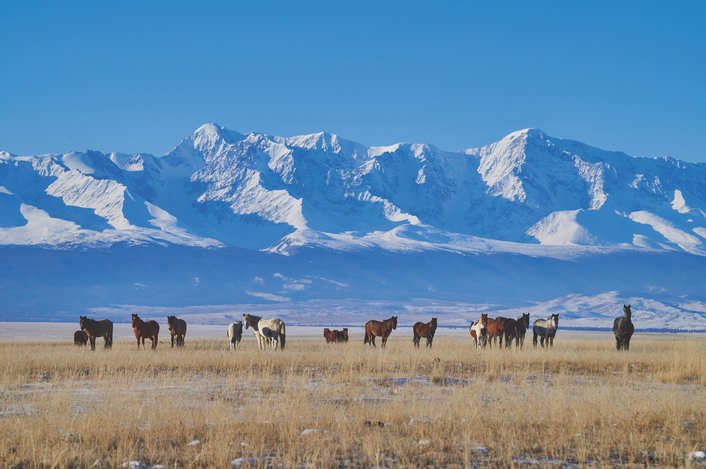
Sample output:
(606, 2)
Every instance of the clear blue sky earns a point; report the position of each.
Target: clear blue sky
(140, 75)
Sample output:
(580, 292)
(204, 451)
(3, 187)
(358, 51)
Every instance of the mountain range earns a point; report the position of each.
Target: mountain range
(504, 211)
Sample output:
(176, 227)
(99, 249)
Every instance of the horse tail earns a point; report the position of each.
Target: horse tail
(366, 339)
(110, 335)
(282, 335)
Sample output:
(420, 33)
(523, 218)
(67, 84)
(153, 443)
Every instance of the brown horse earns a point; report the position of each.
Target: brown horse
(80, 338)
(148, 329)
(177, 329)
(93, 329)
(496, 329)
(479, 331)
(426, 331)
(329, 335)
(381, 329)
(332, 336)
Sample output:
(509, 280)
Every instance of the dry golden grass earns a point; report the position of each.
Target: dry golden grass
(581, 402)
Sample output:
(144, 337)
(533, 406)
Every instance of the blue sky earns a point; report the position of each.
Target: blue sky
(140, 75)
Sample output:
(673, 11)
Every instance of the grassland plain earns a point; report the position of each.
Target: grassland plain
(344, 405)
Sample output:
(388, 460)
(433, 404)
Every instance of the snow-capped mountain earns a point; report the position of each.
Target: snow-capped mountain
(527, 193)
(531, 222)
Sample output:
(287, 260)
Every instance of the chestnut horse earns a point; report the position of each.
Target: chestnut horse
(177, 329)
(479, 331)
(80, 338)
(496, 329)
(421, 330)
(382, 329)
(93, 329)
(145, 329)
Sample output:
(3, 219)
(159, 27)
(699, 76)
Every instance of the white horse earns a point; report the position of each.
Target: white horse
(235, 333)
(268, 331)
(545, 329)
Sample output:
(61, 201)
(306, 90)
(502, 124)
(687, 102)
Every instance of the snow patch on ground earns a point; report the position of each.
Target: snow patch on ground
(678, 202)
(561, 228)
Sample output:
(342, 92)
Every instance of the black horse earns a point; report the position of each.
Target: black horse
(623, 329)
(516, 329)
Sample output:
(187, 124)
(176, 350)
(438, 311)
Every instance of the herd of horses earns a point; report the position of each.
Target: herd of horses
(271, 333)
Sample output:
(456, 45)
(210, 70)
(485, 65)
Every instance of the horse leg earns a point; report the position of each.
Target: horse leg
(384, 341)
(372, 340)
(534, 338)
(93, 342)
(173, 341)
(429, 341)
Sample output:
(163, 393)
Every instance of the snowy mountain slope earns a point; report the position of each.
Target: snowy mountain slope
(222, 188)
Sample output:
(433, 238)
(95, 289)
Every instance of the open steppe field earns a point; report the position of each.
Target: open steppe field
(345, 405)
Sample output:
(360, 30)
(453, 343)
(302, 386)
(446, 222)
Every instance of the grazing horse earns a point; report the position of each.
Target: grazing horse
(93, 328)
(177, 329)
(235, 333)
(382, 329)
(623, 329)
(545, 329)
(145, 329)
(421, 330)
(496, 329)
(516, 329)
(268, 331)
(479, 331)
(80, 338)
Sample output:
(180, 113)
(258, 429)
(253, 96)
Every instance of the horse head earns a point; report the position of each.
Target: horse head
(555, 319)
(433, 323)
(82, 322)
(345, 332)
(627, 312)
(394, 322)
(135, 319)
(525, 320)
(171, 320)
(246, 320)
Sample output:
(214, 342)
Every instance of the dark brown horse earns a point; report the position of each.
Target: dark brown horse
(334, 335)
(623, 329)
(93, 328)
(496, 329)
(145, 330)
(516, 329)
(425, 331)
(80, 338)
(381, 329)
(177, 329)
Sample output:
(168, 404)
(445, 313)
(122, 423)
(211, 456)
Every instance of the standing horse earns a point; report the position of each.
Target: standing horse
(545, 329)
(329, 335)
(421, 330)
(496, 329)
(381, 329)
(80, 338)
(235, 333)
(623, 329)
(268, 331)
(516, 329)
(177, 329)
(93, 329)
(479, 331)
(145, 329)
(342, 336)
